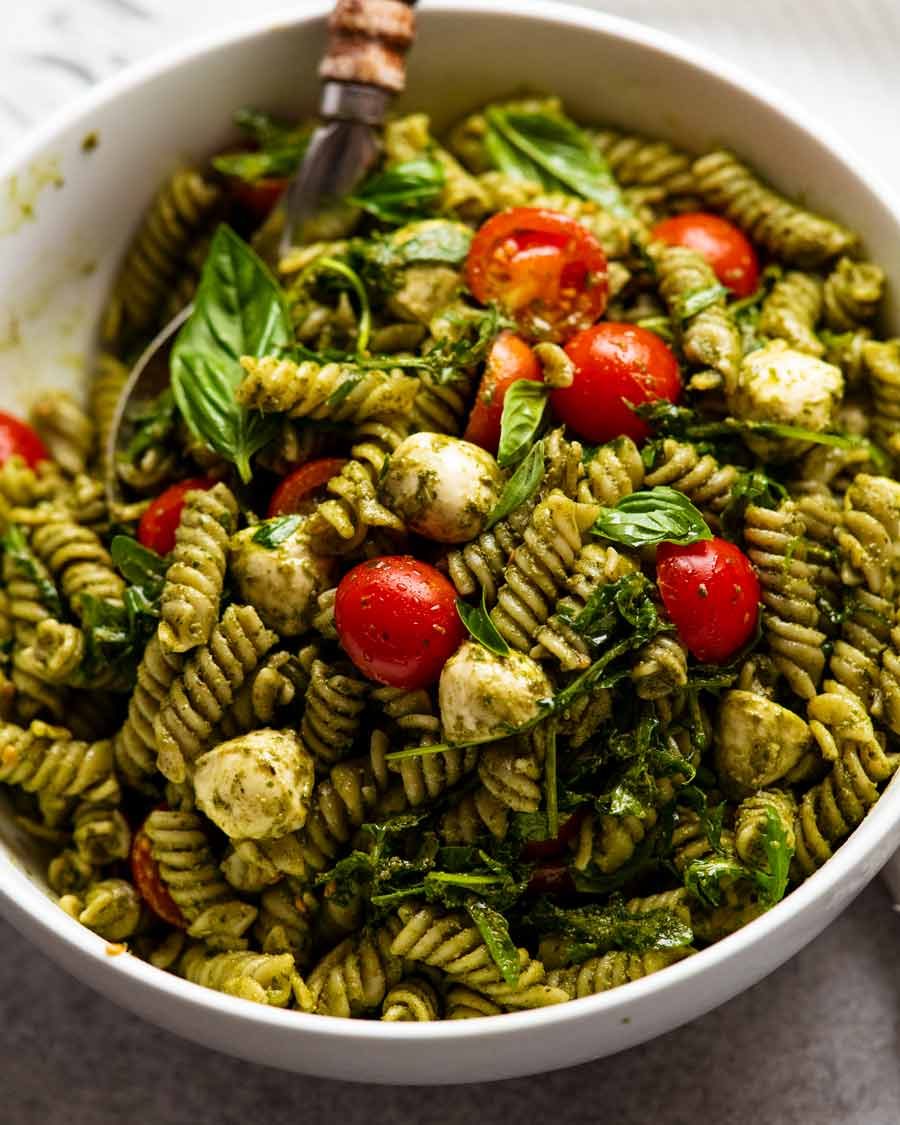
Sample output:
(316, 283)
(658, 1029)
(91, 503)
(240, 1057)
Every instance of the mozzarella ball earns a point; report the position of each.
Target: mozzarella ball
(758, 742)
(282, 582)
(778, 384)
(442, 487)
(257, 786)
(482, 694)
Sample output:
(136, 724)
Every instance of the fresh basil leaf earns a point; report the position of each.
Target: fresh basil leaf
(239, 310)
(773, 880)
(139, 565)
(494, 928)
(478, 622)
(152, 423)
(557, 147)
(693, 303)
(520, 487)
(523, 413)
(16, 547)
(660, 325)
(396, 194)
(438, 240)
(116, 634)
(272, 532)
(659, 515)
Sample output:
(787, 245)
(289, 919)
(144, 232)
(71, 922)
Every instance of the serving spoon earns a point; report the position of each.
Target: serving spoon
(363, 68)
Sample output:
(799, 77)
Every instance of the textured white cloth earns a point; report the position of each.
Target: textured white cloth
(836, 57)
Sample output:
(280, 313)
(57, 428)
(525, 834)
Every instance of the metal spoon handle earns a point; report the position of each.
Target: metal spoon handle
(368, 43)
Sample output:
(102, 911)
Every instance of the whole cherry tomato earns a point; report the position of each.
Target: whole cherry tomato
(396, 619)
(722, 244)
(541, 267)
(615, 364)
(151, 888)
(17, 437)
(258, 197)
(711, 593)
(160, 520)
(301, 483)
(509, 360)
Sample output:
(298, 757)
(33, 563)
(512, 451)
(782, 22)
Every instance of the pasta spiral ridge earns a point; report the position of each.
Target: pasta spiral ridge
(355, 976)
(332, 715)
(613, 472)
(853, 292)
(638, 161)
(868, 538)
(264, 978)
(65, 429)
(659, 667)
(78, 561)
(110, 907)
(412, 1000)
(599, 974)
(47, 760)
(881, 361)
(859, 652)
(791, 311)
(706, 483)
(135, 743)
(751, 822)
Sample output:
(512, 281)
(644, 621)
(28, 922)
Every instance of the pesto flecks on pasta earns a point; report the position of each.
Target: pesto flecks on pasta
(503, 603)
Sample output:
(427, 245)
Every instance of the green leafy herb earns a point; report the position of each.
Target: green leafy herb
(594, 929)
(272, 532)
(523, 412)
(661, 325)
(239, 310)
(549, 149)
(397, 194)
(773, 879)
(280, 148)
(659, 515)
(494, 928)
(435, 241)
(704, 877)
(520, 487)
(15, 545)
(694, 302)
(139, 565)
(752, 487)
(153, 423)
(551, 784)
(115, 635)
(465, 349)
(352, 281)
(478, 622)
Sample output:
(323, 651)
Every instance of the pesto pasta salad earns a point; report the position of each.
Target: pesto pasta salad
(500, 601)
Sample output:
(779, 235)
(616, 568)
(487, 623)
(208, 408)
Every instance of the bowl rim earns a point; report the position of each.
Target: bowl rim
(57, 927)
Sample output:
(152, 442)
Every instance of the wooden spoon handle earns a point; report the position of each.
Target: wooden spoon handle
(368, 43)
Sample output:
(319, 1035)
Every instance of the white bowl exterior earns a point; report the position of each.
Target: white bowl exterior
(60, 246)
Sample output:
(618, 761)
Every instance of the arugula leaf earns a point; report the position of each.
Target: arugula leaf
(478, 622)
(773, 879)
(456, 354)
(594, 929)
(153, 423)
(693, 303)
(494, 928)
(138, 565)
(551, 150)
(280, 148)
(271, 533)
(353, 282)
(520, 487)
(397, 194)
(16, 547)
(239, 310)
(523, 412)
(704, 877)
(755, 487)
(659, 515)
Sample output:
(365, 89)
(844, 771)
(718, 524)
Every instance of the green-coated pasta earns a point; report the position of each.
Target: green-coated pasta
(791, 311)
(355, 976)
(78, 562)
(332, 713)
(65, 429)
(412, 1000)
(264, 978)
(853, 293)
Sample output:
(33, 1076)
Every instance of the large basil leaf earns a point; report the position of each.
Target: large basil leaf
(478, 622)
(559, 154)
(520, 487)
(239, 310)
(138, 565)
(523, 412)
(659, 515)
(397, 194)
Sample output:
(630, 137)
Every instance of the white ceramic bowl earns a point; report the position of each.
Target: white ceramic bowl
(66, 215)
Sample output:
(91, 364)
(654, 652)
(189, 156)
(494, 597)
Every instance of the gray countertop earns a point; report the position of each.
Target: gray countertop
(814, 1044)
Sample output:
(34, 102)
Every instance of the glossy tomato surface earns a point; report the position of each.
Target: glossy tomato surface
(541, 267)
(149, 884)
(17, 437)
(160, 521)
(300, 485)
(711, 593)
(722, 244)
(615, 364)
(509, 360)
(259, 197)
(396, 619)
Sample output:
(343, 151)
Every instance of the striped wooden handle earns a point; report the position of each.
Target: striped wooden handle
(368, 43)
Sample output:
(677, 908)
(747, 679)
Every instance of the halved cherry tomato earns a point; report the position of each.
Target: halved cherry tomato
(711, 593)
(259, 196)
(551, 879)
(160, 521)
(556, 845)
(509, 360)
(722, 244)
(301, 483)
(543, 268)
(396, 619)
(17, 437)
(615, 364)
(151, 888)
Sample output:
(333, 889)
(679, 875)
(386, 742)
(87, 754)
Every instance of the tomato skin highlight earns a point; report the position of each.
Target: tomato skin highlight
(301, 483)
(396, 619)
(509, 360)
(711, 593)
(615, 364)
(17, 437)
(160, 521)
(724, 246)
(542, 268)
(146, 877)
